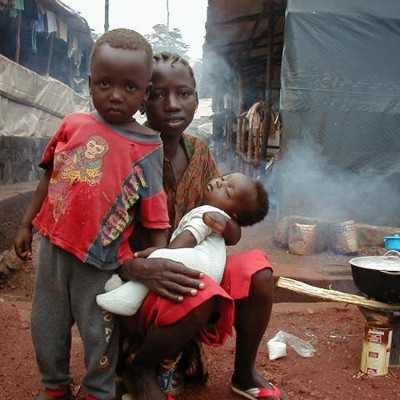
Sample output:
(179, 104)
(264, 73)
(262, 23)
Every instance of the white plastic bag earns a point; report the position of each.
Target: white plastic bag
(276, 350)
(278, 344)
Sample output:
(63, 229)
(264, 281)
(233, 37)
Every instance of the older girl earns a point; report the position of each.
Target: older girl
(182, 305)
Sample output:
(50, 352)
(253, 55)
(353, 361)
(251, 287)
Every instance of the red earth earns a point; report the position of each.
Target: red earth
(335, 330)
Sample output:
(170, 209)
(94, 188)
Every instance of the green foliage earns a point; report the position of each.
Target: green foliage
(163, 39)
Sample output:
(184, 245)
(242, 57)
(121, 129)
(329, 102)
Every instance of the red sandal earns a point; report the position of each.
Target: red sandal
(260, 393)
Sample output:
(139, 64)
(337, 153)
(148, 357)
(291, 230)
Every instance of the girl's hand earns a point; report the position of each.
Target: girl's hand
(23, 243)
(168, 279)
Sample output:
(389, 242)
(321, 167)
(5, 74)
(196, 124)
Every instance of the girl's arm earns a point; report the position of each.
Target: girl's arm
(184, 239)
(158, 240)
(23, 240)
(159, 237)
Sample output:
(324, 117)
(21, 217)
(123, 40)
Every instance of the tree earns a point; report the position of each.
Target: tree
(163, 39)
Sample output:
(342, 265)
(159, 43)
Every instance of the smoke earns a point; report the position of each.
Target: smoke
(218, 76)
(307, 184)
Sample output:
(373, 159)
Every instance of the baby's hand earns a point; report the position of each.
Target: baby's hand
(215, 221)
(146, 252)
(228, 228)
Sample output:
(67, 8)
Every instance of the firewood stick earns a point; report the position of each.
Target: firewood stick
(334, 295)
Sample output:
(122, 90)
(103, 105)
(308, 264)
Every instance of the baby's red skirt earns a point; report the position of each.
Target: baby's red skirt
(235, 285)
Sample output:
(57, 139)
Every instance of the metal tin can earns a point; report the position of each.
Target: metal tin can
(376, 350)
(394, 361)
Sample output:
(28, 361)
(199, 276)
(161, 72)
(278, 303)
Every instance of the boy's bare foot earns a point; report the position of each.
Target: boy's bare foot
(215, 221)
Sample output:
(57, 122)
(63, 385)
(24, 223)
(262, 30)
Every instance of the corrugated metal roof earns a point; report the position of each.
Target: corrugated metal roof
(239, 30)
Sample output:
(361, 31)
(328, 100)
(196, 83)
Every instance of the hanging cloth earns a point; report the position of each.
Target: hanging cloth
(38, 26)
(51, 21)
(15, 7)
(72, 45)
(62, 30)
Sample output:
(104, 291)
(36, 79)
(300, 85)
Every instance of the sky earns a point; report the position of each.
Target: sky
(189, 16)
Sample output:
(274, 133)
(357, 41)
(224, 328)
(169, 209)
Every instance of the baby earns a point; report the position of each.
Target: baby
(194, 243)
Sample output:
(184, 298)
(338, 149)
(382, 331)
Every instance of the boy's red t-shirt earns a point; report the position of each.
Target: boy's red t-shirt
(103, 179)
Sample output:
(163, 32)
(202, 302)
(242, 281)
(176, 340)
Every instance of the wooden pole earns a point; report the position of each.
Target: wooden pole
(168, 37)
(240, 91)
(18, 38)
(268, 83)
(240, 108)
(50, 56)
(106, 15)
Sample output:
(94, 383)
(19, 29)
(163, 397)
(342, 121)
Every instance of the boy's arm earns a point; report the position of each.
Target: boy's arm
(228, 228)
(23, 240)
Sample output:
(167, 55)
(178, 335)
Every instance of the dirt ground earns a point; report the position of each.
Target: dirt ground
(333, 373)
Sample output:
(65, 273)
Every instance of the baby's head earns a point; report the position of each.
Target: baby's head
(121, 65)
(245, 200)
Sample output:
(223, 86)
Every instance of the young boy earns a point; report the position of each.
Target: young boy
(99, 166)
(194, 243)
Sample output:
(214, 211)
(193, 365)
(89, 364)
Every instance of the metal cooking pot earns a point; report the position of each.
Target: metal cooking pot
(378, 276)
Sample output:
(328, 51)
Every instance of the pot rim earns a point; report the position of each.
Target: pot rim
(389, 262)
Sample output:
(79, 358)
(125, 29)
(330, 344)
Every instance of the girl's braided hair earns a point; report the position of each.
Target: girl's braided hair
(173, 58)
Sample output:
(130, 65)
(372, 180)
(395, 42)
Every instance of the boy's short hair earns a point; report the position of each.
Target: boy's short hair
(250, 217)
(123, 38)
(173, 58)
